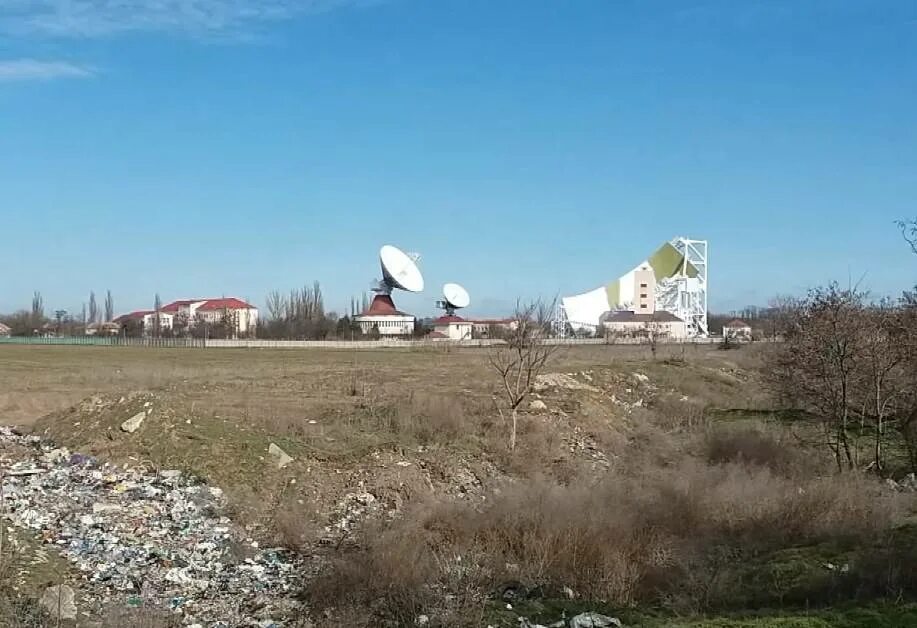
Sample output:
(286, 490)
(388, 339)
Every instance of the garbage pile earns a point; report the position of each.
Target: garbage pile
(136, 534)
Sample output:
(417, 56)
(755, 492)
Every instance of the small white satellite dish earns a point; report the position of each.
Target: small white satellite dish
(454, 297)
(399, 270)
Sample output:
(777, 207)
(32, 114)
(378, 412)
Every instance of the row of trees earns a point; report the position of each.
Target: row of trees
(299, 314)
(35, 320)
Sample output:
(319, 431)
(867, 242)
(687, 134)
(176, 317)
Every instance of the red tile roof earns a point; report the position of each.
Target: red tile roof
(174, 306)
(209, 304)
(231, 303)
(444, 320)
(736, 323)
(133, 315)
(382, 305)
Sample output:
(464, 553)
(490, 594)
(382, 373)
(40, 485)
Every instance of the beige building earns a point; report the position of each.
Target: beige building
(4, 330)
(485, 328)
(629, 324)
(737, 329)
(243, 316)
(452, 327)
(146, 319)
(644, 291)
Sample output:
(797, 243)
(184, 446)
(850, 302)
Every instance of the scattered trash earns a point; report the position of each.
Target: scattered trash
(594, 620)
(145, 537)
(538, 405)
(907, 484)
(281, 458)
(133, 424)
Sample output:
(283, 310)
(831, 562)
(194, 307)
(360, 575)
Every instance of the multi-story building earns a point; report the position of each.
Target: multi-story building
(242, 316)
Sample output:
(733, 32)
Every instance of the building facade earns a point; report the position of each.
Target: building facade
(384, 319)
(737, 329)
(452, 327)
(145, 322)
(659, 325)
(241, 316)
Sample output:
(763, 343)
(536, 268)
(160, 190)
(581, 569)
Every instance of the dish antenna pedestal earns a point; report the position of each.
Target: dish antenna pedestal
(399, 272)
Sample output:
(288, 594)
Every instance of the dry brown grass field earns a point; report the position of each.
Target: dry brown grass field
(648, 487)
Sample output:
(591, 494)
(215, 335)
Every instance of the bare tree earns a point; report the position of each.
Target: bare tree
(276, 305)
(909, 232)
(652, 332)
(38, 311)
(109, 307)
(157, 316)
(59, 317)
(521, 360)
(93, 308)
(816, 368)
(878, 389)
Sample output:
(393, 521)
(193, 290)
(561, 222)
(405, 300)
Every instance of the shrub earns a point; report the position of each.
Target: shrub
(750, 445)
(654, 536)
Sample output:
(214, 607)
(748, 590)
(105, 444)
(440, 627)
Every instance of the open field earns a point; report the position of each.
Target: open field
(36, 380)
(645, 488)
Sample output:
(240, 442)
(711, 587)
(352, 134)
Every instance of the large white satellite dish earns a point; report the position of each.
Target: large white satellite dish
(399, 271)
(454, 297)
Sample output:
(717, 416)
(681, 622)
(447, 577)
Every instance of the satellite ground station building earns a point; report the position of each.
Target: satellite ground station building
(384, 317)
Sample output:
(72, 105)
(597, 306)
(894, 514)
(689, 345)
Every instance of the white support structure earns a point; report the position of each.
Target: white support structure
(680, 290)
(560, 322)
(685, 296)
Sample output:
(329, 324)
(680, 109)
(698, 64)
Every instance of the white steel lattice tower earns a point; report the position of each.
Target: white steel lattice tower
(685, 293)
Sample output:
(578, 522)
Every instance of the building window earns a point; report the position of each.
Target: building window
(643, 285)
(643, 306)
(643, 295)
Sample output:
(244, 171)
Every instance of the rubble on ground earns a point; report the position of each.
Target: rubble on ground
(59, 601)
(560, 380)
(133, 424)
(907, 484)
(279, 456)
(583, 620)
(144, 538)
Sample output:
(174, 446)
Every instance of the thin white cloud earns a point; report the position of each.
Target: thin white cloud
(92, 18)
(34, 70)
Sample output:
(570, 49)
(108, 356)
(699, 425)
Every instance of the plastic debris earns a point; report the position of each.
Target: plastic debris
(594, 620)
(145, 537)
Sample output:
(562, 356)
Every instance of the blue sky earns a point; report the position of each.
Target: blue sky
(211, 147)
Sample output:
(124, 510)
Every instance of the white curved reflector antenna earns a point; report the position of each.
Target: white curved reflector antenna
(456, 295)
(399, 269)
